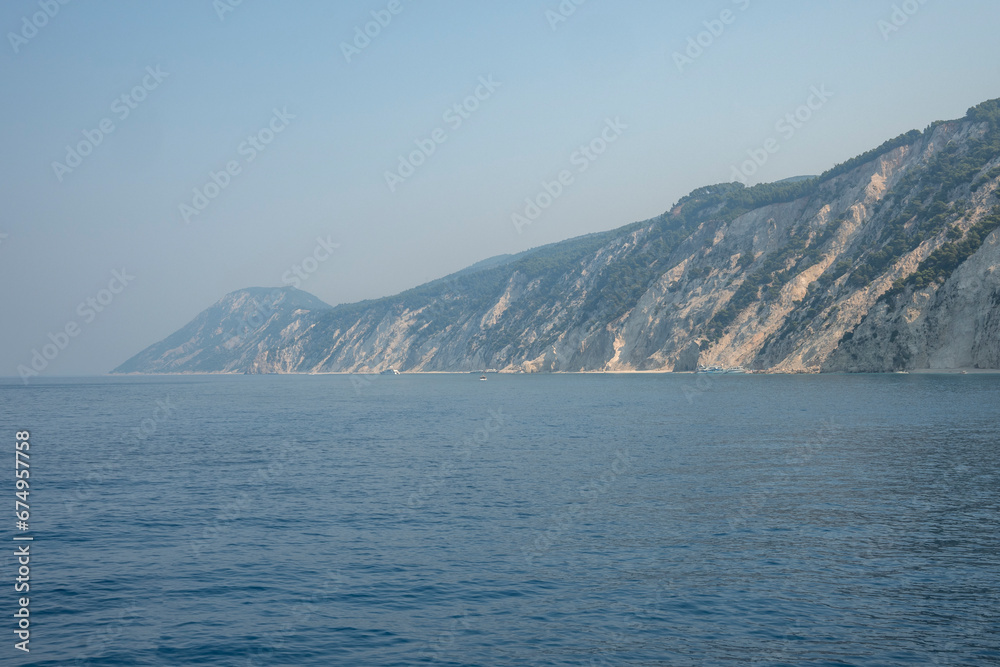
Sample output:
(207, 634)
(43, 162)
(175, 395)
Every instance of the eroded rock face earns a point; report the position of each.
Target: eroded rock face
(952, 325)
(796, 285)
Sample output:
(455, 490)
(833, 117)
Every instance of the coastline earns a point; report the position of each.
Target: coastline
(920, 371)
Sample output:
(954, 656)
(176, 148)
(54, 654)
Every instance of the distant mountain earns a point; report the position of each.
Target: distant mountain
(234, 335)
(888, 261)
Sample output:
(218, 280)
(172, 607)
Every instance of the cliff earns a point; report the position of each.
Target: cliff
(886, 262)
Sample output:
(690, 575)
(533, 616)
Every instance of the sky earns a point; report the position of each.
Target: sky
(159, 155)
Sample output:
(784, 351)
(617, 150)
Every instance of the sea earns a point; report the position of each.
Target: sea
(563, 519)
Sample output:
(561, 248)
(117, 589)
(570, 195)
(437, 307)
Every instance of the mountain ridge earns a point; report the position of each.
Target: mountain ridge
(807, 274)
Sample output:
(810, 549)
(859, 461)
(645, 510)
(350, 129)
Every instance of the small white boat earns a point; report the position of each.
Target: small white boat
(482, 378)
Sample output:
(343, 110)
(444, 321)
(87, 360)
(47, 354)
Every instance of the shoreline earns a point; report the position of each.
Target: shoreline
(920, 371)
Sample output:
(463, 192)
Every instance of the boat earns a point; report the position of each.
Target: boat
(482, 378)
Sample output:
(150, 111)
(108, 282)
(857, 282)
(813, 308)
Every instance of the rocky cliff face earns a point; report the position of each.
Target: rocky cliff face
(887, 262)
(951, 325)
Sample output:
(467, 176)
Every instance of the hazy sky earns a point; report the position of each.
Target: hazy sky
(198, 147)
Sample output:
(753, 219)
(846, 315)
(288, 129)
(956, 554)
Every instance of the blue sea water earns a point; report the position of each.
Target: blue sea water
(526, 520)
